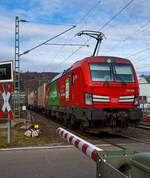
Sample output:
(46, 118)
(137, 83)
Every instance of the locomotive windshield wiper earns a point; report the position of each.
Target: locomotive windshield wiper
(110, 77)
(118, 76)
(106, 82)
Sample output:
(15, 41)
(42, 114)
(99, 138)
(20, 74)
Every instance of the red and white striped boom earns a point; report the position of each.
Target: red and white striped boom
(84, 146)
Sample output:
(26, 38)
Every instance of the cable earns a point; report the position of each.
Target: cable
(146, 42)
(73, 53)
(118, 13)
(89, 11)
(141, 59)
(25, 52)
(138, 52)
(145, 24)
(113, 17)
(145, 65)
(127, 38)
(98, 2)
(60, 44)
(46, 23)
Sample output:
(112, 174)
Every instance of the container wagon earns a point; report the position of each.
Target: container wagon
(41, 97)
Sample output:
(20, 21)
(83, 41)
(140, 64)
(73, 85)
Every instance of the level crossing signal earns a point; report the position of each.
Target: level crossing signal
(6, 71)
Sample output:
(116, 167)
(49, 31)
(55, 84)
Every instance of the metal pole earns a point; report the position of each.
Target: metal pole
(9, 131)
(17, 72)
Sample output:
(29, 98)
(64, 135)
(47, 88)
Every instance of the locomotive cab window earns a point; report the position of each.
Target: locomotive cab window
(123, 73)
(111, 72)
(100, 72)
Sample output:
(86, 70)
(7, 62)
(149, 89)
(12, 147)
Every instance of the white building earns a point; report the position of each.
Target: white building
(144, 94)
(144, 89)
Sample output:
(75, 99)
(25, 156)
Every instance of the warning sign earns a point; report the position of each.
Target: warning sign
(6, 106)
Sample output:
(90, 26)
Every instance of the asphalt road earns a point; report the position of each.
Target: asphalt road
(46, 163)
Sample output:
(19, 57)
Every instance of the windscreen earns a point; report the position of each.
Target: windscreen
(111, 72)
(123, 73)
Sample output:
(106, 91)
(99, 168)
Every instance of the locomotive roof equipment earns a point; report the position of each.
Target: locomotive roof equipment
(96, 35)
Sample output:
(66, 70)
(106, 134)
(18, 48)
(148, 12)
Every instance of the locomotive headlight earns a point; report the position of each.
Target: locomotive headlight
(136, 100)
(88, 99)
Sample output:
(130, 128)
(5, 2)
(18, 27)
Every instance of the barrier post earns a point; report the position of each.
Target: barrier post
(9, 131)
(114, 164)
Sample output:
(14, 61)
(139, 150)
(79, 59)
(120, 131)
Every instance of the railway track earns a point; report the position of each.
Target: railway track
(144, 125)
(115, 141)
(107, 141)
(125, 142)
(145, 119)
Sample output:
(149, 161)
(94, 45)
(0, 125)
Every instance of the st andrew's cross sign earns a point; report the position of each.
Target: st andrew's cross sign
(6, 78)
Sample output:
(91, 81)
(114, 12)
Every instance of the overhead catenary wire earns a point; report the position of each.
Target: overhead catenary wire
(90, 10)
(103, 26)
(139, 59)
(146, 41)
(67, 44)
(141, 51)
(116, 15)
(141, 29)
(25, 52)
(138, 52)
(73, 53)
(47, 23)
(145, 66)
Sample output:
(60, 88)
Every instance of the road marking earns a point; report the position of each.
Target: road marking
(36, 148)
(104, 144)
(44, 147)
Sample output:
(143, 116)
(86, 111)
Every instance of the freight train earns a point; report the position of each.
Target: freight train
(96, 94)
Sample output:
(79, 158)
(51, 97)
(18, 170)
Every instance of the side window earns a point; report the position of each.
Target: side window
(73, 78)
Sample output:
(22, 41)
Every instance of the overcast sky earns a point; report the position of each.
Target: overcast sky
(125, 23)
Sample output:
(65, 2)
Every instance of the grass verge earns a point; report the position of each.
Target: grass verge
(19, 140)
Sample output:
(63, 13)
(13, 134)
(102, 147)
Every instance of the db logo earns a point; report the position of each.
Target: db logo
(114, 100)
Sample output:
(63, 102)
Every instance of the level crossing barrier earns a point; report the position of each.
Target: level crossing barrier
(111, 164)
(84, 146)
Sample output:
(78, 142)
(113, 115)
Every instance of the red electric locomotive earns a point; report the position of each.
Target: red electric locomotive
(98, 93)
